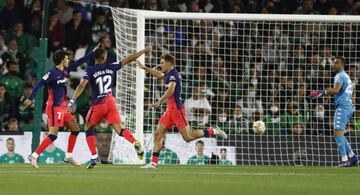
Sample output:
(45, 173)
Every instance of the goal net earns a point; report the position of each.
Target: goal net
(237, 69)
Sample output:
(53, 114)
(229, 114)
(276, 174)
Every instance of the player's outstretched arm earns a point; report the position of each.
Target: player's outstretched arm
(169, 92)
(152, 71)
(136, 55)
(329, 91)
(29, 100)
(335, 90)
(79, 89)
(82, 60)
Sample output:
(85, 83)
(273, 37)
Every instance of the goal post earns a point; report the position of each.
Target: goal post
(237, 69)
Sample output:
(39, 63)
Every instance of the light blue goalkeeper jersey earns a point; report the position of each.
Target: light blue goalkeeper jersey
(344, 97)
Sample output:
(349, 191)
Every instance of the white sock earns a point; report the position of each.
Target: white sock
(344, 158)
(68, 155)
(95, 156)
(35, 155)
(351, 154)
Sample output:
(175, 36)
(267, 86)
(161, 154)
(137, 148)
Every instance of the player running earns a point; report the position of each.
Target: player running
(175, 111)
(58, 116)
(342, 92)
(103, 104)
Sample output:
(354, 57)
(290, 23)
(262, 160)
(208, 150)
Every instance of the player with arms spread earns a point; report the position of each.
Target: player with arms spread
(58, 116)
(103, 105)
(342, 92)
(175, 111)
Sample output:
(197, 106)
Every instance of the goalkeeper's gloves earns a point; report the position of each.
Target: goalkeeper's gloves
(71, 106)
(318, 93)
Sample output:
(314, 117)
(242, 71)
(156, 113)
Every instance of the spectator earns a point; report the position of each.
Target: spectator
(153, 5)
(13, 55)
(106, 43)
(13, 125)
(293, 115)
(327, 57)
(249, 103)
(222, 101)
(307, 8)
(34, 18)
(99, 27)
(319, 122)
(297, 128)
(25, 41)
(223, 122)
(52, 154)
(11, 157)
(3, 47)
(166, 156)
(332, 10)
(13, 83)
(26, 115)
(10, 14)
(56, 32)
(223, 157)
(65, 12)
(78, 33)
(239, 124)
(7, 106)
(274, 121)
(198, 108)
(199, 158)
(79, 6)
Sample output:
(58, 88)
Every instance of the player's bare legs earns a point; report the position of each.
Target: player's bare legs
(75, 129)
(190, 135)
(126, 133)
(53, 131)
(158, 139)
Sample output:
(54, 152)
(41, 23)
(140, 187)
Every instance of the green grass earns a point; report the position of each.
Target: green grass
(177, 180)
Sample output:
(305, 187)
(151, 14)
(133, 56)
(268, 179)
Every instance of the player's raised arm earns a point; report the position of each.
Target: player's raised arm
(82, 60)
(169, 92)
(136, 55)
(152, 71)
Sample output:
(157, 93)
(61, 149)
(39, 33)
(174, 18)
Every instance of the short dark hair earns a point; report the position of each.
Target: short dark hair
(12, 120)
(59, 56)
(169, 58)
(10, 63)
(223, 149)
(341, 59)
(2, 85)
(99, 53)
(28, 86)
(10, 139)
(199, 142)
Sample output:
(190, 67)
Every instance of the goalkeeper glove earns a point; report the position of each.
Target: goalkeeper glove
(72, 106)
(318, 93)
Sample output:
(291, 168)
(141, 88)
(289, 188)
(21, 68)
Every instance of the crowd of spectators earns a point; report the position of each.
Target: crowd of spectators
(76, 26)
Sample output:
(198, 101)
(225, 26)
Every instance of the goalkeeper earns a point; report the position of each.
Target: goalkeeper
(342, 92)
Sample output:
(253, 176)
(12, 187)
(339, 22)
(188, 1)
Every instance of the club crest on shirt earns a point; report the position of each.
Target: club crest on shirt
(46, 76)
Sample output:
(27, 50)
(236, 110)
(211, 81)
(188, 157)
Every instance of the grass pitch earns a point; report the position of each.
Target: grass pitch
(177, 180)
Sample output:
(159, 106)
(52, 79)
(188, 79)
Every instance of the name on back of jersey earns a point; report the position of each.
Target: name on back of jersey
(102, 72)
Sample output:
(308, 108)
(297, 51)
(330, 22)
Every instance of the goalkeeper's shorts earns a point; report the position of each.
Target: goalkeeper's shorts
(342, 116)
(175, 117)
